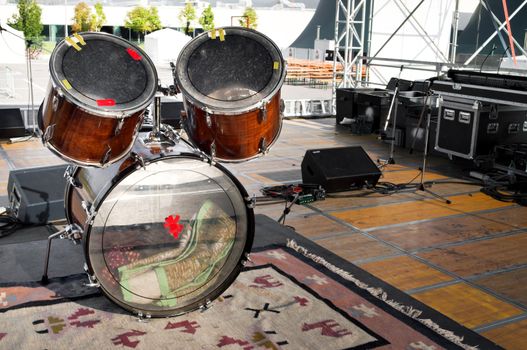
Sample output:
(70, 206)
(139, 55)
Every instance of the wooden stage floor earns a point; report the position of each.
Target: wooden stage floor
(468, 260)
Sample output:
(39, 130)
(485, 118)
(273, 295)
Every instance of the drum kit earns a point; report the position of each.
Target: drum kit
(164, 226)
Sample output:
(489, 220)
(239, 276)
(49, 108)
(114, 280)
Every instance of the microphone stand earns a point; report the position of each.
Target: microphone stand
(394, 103)
(422, 186)
(29, 71)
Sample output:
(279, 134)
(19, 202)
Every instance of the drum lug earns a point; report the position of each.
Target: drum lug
(48, 134)
(90, 212)
(68, 175)
(208, 119)
(247, 259)
(119, 126)
(139, 160)
(143, 318)
(92, 280)
(206, 306)
(55, 101)
(263, 112)
(250, 202)
(263, 146)
(106, 156)
(213, 150)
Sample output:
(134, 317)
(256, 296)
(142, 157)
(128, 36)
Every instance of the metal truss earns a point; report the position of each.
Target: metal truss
(501, 26)
(349, 53)
(350, 22)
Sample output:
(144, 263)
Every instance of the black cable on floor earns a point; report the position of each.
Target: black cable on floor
(9, 224)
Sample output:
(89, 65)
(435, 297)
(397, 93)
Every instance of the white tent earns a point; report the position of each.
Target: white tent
(12, 46)
(164, 45)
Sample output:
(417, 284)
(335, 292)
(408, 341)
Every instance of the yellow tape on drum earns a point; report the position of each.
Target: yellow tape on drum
(80, 39)
(73, 43)
(66, 84)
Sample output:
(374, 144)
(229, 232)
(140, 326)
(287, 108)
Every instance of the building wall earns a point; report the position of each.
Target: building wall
(281, 25)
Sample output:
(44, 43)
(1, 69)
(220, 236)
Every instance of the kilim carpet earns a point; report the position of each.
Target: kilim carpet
(293, 295)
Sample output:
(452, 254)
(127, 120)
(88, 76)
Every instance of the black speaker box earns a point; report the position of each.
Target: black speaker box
(36, 195)
(171, 113)
(339, 169)
(346, 104)
(11, 123)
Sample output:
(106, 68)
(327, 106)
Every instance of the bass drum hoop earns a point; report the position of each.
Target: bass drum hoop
(214, 293)
(213, 106)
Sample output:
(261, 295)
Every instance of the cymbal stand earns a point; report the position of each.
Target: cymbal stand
(394, 104)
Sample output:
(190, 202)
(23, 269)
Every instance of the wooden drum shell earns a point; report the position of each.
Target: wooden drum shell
(235, 137)
(82, 137)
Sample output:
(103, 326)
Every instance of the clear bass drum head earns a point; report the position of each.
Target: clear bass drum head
(170, 237)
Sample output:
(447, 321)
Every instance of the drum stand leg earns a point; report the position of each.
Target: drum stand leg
(66, 232)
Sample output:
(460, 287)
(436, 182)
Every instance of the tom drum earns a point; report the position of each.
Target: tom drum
(100, 87)
(230, 79)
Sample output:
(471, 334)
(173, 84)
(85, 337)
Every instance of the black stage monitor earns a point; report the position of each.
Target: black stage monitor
(339, 169)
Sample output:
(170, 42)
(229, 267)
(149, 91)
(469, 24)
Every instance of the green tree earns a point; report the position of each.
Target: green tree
(249, 15)
(28, 21)
(82, 18)
(143, 19)
(207, 19)
(187, 16)
(98, 18)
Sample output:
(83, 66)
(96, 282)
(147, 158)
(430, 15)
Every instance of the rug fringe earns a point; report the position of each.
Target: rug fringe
(379, 293)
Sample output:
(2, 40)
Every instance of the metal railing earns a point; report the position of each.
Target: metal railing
(307, 108)
(7, 82)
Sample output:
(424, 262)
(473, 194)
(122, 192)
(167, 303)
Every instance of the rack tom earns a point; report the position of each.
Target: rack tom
(100, 87)
(230, 79)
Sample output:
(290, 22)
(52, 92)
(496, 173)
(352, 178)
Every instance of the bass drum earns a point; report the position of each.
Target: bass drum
(99, 89)
(165, 231)
(230, 79)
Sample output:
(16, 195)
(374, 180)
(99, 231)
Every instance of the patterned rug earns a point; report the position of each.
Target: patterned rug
(287, 298)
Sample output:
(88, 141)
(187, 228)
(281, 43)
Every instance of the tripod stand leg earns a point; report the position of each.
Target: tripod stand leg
(425, 156)
(435, 195)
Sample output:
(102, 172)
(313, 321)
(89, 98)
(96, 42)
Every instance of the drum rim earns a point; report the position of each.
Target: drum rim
(213, 106)
(130, 107)
(217, 290)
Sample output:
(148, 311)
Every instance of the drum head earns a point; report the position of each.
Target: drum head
(103, 73)
(233, 74)
(170, 237)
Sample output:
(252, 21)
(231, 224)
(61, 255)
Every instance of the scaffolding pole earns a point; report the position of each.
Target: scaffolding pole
(350, 21)
(489, 39)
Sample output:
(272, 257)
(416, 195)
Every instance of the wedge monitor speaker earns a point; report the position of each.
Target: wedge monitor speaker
(339, 169)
